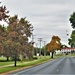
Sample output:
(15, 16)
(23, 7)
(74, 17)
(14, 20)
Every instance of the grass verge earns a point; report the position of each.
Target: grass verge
(24, 64)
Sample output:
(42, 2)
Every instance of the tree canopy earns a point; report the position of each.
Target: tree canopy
(53, 45)
(14, 37)
(72, 39)
(72, 20)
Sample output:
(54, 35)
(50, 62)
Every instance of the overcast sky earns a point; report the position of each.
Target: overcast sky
(48, 17)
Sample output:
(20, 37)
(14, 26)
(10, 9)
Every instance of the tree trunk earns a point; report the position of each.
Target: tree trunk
(52, 54)
(15, 60)
(7, 58)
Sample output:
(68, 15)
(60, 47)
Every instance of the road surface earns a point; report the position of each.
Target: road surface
(60, 66)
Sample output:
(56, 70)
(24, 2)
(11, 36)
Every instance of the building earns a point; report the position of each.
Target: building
(65, 50)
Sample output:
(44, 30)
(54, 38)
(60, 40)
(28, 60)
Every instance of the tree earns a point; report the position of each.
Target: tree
(14, 38)
(17, 41)
(2, 38)
(3, 16)
(3, 13)
(72, 20)
(72, 39)
(53, 45)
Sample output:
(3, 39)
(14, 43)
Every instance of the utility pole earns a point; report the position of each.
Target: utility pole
(33, 43)
(44, 48)
(36, 49)
(40, 40)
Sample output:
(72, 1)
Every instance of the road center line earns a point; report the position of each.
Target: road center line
(57, 70)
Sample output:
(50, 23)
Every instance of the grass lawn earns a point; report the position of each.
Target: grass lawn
(3, 61)
(25, 63)
(72, 54)
(2, 58)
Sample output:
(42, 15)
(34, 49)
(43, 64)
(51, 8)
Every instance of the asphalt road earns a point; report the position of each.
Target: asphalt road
(60, 66)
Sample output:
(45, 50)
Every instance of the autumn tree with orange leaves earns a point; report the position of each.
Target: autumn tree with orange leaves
(53, 45)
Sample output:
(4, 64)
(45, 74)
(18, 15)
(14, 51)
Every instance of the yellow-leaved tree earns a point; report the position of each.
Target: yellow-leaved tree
(53, 45)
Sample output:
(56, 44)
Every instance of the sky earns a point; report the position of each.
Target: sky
(48, 17)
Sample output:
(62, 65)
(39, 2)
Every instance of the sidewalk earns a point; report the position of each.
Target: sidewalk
(6, 65)
(17, 64)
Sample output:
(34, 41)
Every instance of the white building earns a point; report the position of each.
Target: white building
(65, 50)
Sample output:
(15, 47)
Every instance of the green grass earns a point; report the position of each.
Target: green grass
(5, 63)
(72, 54)
(20, 65)
(2, 58)
(25, 64)
(7, 69)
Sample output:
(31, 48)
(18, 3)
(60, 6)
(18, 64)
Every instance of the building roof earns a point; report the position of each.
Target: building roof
(68, 49)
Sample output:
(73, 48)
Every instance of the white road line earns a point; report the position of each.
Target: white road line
(57, 70)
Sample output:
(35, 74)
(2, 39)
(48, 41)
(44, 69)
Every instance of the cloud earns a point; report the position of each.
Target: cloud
(49, 17)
